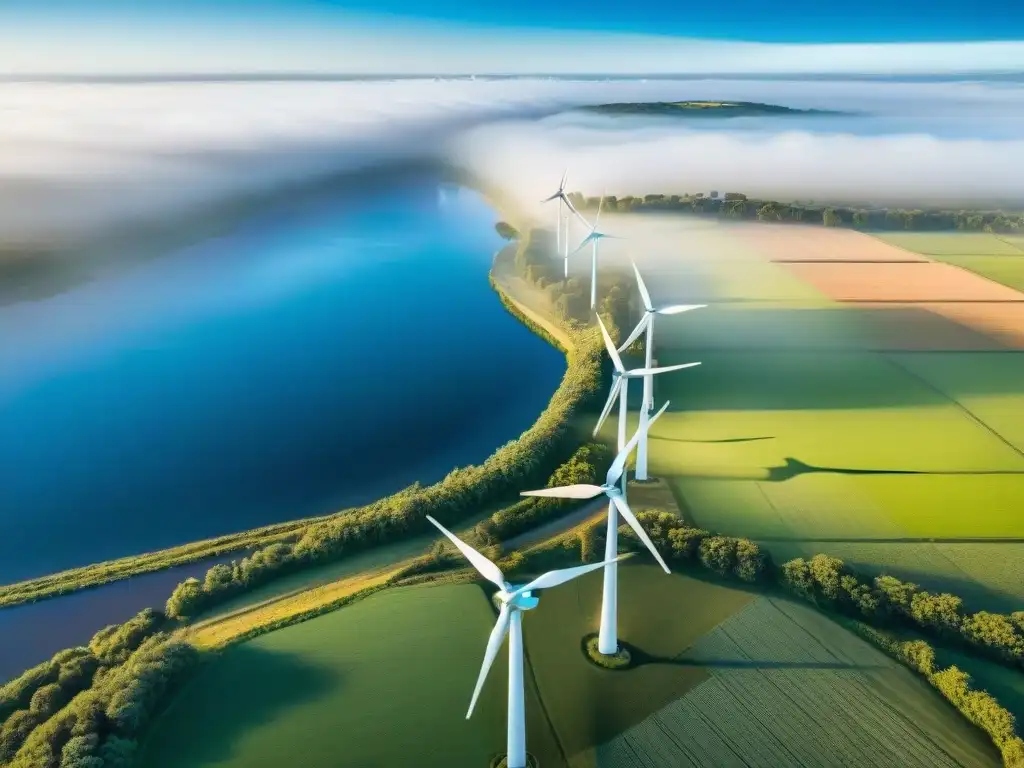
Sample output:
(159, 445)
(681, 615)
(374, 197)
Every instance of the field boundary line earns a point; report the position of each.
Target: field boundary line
(970, 414)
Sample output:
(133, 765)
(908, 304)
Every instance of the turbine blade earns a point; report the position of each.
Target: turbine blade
(583, 245)
(636, 372)
(487, 569)
(618, 466)
(549, 199)
(675, 309)
(627, 513)
(579, 491)
(561, 184)
(643, 289)
(554, 578)
(578, 215)
(608, 403)
(600, 205)
(640, 328)
(612, 352)
(493, 646)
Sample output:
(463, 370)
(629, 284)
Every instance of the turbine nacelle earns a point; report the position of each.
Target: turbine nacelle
(521, 601)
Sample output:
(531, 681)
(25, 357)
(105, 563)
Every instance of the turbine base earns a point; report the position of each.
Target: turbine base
(620, 660)
(498, 761)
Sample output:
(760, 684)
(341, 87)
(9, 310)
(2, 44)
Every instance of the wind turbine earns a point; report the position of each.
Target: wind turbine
(620, 386)
(560, 196)
(514, 600)
(647, 324)
(608, 642)
(593, 236)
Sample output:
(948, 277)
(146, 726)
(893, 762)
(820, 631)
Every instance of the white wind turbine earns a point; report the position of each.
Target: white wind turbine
(514, 600)
(620, 386)
(593, 237)
(608, 642)
(562, 199)
(647, 324)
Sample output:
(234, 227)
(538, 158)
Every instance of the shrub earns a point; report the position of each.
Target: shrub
(719, 554)
(751, 561)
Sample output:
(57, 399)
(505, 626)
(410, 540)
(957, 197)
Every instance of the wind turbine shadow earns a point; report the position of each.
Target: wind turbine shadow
(642, 658)
(707, 442)
(794, 468)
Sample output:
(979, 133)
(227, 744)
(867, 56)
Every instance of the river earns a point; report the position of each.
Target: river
(318, 356)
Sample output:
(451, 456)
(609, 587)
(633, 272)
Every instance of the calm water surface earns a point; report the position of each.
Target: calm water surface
(318, 357)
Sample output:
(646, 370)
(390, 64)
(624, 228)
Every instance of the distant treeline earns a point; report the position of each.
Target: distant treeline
(737, 206)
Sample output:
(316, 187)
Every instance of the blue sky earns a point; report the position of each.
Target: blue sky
(513, 35)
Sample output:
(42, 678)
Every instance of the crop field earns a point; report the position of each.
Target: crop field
(1008, 270)
(789, 243)
(902, 282)
(940, 244)
(659, 613)
(369, 685)
(841, 427)
(770, 665)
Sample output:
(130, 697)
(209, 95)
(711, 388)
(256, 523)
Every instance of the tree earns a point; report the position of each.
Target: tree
(896, 594)
(942, 611)
(186, 600)
(860, 219)
(796, 575)
(826, 572)
(719, 554)
(506, 230)
(830, 218)
(751, 562)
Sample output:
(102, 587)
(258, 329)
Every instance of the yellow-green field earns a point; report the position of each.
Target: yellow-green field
(386, 681)
(809, 429)
(997, 257)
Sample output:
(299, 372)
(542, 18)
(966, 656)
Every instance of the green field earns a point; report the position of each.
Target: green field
(388, 679)
(770, 666)
(796, 433)
(1008, 270)
(368, 686)
(955, 243)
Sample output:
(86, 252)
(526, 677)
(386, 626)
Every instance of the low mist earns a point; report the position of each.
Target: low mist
(76, 158)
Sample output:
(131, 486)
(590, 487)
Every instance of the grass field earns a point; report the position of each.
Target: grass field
(382, 683)
(997, 257)
(773, 664)
(893, 438)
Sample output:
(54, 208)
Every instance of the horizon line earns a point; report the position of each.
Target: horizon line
(269, 76)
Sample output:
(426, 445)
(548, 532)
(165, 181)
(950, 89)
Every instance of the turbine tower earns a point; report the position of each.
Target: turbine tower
(592, 237)
(647, 324)
(562, 199)
(514, 600)
(608, 641)
(620, 386)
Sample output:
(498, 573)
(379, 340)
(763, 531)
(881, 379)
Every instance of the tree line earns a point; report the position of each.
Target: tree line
(737, 206)
(86, 707)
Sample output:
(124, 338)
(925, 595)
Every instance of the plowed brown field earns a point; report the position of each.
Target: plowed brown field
(927, 281)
